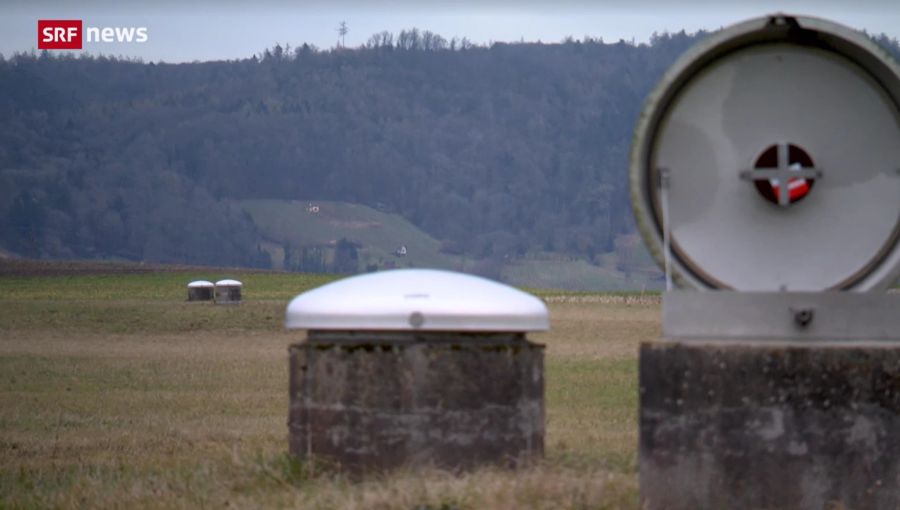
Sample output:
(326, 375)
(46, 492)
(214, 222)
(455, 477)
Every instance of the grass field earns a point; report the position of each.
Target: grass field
(114, 392)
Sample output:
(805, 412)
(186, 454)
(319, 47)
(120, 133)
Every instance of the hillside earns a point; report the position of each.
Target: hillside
(317, 227)
(494, 152)
(627, 268)
(492, 156)
(290, 225)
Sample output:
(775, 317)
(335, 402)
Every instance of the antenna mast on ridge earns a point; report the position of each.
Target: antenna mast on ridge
(342, 31)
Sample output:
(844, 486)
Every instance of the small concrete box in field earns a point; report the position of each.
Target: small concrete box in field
(228, 292)
(200, 290)
(765, 179)
(416, 367)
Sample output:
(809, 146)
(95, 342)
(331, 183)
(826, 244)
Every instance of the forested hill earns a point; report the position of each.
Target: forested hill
(497, 152)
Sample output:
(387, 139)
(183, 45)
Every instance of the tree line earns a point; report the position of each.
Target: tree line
(497, 151)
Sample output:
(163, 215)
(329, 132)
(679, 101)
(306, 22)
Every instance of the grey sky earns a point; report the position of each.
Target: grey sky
(206, 30)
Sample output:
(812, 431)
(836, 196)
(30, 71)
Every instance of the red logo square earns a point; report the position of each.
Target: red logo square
(59, 34)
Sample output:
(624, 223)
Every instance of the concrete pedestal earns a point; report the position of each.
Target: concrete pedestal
(200, 293)
(770, 425)
(228, 295)
(375, 401)
(228, 292)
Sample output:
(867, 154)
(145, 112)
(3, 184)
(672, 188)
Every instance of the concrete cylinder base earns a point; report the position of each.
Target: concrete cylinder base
(372, 402)
(226, 295)
(200, 293)
(765, 425)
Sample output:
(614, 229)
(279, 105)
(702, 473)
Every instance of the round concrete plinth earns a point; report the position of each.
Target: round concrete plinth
(200, 293)
(228, 294)
(373, 401)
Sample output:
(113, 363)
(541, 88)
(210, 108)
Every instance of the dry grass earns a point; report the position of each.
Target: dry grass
(176, 405)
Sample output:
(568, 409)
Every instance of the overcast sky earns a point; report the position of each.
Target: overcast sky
(207, 30)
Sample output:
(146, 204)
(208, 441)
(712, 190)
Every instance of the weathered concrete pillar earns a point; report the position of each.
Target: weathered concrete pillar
(228, 292)
(450, 400)
(200, 290)
(768, 425)
(416, 367)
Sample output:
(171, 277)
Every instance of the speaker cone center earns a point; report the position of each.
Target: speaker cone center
(784, 174)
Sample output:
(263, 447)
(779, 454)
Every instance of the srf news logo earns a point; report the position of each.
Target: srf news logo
(69, 34)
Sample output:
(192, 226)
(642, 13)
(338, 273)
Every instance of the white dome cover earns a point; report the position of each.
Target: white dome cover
(199, 283)
(417, 299)
(228, 283)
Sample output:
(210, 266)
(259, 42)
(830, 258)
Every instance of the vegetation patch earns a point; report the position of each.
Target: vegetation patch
(136, 398)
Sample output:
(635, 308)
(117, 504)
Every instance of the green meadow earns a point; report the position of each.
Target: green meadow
(116, 392)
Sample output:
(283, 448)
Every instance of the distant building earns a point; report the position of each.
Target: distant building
(401, 251)
(312, 208)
